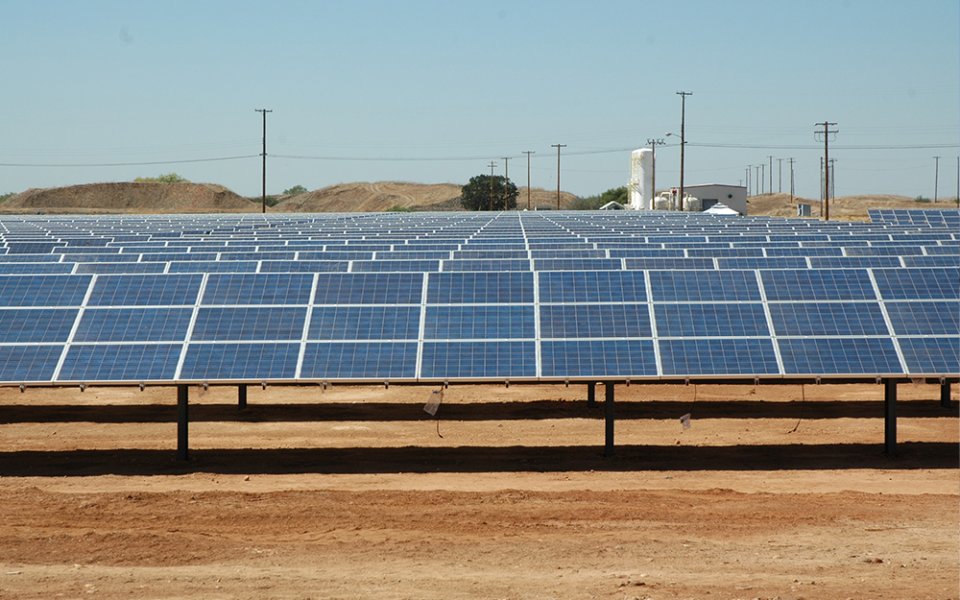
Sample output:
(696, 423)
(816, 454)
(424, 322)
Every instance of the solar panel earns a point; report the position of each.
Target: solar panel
(365, 323)
(932, 355)
(559, 321)
(360, 360)
(701, 286)
(133, 325)
(711, 320)
(835, 356)
(43, 290)
(145, 290)
(438, 297)
(599, 358)
(827, 318)
(718, 357)
(120, 362)
(36, 326)
(826, 284)
(256, 361)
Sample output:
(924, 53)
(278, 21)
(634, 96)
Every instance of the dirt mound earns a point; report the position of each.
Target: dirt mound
(845, 208)
(374, 197)
(128, 197)
(386, 195)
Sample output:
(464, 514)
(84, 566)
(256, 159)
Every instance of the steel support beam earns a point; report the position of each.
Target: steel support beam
(242, 396)
(591, 394)
(183, 420)
(945, 394)
(889, 417)
(608, 414)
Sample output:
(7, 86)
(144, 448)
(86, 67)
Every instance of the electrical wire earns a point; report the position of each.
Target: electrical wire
(132, 164)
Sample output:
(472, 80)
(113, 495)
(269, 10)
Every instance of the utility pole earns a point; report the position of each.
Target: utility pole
(833, 178)
(528, 153)
(654, 142)
(683, 139)
(506, 167)
(748, 179)
(492, 165)
(770, 158)
(763, 177)
(790, 160)
(936, 177)
(758, 181)
(779, 176)
(263, 195)
(558, 146)
(826, 133)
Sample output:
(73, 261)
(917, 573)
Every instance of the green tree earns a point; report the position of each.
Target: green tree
(297, 189)
(166, 178)
(489, 192)
(619, 194)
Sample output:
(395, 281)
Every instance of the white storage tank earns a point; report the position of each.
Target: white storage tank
(641, 179)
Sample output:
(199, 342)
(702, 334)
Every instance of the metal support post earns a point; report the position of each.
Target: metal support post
(242, 396)
(609, 419)
(889, 417)
(591, 394)
(183, 419)
(945, 394)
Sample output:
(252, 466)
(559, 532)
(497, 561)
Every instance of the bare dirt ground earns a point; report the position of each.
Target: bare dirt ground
(773, 492)
(845, 208)
(129, 197)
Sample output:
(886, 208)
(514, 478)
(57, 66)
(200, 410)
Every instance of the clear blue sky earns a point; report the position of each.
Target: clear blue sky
(431, 91)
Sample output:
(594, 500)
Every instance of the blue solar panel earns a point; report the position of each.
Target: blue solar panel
(115, 362)
(932, 355)
(30, 268)
(940, 260)
(43, 290)
(249, 324)
(133, 325)
(21, 326)
(365, 323)
(711, 320)
(699, 286)
(261, 288)
(918, 284)
(594, 321)
(719, 357)
(668, 264)
(598, 358)
(839, 356)
(360, 360)
(479, 322)
(924, 318)
(592, 286)
(480, 287)
(577, 264)
(828, 318)
(28, 363)
(486, 265)
(122, 268)
(215, 266)
(145, 290)
(369, 288)
(478, 360)
(396, 266)
(253, 361)
(832, 284)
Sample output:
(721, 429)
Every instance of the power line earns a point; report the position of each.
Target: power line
(129, 164)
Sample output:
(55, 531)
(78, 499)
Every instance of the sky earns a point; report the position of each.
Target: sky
(433, 91)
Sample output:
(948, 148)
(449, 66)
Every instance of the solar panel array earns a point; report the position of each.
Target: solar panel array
(433, 297)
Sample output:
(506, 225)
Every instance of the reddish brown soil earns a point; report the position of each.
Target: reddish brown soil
(774, 492)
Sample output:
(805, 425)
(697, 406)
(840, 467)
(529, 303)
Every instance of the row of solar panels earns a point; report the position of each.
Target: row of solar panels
(479, 287)
(492, 360)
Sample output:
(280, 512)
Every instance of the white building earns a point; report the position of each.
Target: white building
(709, 194)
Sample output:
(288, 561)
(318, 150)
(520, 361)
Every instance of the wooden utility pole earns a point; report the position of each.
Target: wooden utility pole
(263, 195)
(528, 153)
(826, 133)
(492, 165)
(683, 139)
(558, 146)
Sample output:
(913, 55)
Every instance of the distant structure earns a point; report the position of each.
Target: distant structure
(641, 179)
(697, 198)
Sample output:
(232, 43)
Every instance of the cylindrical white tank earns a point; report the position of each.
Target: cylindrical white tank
(641, 179)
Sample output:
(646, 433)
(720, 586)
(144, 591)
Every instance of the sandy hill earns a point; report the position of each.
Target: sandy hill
(845, 208)
(386, 195)
(129, 197)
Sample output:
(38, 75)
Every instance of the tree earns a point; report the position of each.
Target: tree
(618, 194)
(166, 178)
(297, 189)
(489, 192)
